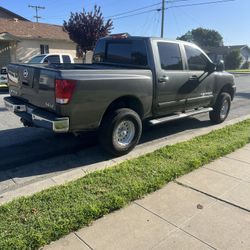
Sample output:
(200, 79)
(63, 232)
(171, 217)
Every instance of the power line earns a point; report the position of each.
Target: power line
(134, 10)
(36, 7)
(199, 4)
(136, 14)
(120, 16)
(144, 7)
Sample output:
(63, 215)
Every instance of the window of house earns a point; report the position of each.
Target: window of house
(170, 56)
(44, 49)
(196, 59)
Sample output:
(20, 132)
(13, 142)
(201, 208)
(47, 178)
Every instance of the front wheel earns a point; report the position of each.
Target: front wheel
(120, 131)
(221, 108)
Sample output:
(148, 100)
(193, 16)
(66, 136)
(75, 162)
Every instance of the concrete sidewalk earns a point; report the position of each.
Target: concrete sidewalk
(206, 209)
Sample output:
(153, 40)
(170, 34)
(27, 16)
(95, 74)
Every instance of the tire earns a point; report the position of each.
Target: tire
(221, 108)
(120, 131)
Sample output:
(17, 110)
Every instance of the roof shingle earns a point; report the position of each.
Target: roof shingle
(31, 30)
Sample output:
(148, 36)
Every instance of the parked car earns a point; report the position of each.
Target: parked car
(132, 80)
(51, 58)
(3, 76)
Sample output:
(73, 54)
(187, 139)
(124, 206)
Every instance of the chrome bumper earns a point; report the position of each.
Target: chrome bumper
(37, 117)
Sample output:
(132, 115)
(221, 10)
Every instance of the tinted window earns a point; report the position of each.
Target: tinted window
(3, 71)
(170, 56)
(36, 59)
(52, 59)
(122, 52)
(66, 59)
(196, 59)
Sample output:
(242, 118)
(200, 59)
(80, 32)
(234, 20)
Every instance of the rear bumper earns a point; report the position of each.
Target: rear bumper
(36, 116)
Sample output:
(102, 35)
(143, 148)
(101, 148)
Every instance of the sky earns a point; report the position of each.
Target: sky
(231, 19)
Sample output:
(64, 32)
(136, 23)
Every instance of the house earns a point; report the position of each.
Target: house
(219, 53)
(20, 40)
(4, 13)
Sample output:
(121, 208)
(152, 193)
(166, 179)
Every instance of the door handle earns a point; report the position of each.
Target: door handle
(193, 78)
(163, 79)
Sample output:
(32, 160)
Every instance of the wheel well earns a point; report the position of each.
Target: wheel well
(125, 102)
(228, 89)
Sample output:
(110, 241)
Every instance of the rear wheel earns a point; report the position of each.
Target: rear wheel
(120, 131)
(221, 108)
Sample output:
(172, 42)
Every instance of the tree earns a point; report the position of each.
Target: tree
(233, 60)
(85, 28)
(203, 37)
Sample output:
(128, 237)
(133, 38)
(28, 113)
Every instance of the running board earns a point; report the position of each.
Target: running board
(179, 116)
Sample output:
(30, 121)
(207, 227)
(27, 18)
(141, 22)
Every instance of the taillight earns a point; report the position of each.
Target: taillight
(64, 90)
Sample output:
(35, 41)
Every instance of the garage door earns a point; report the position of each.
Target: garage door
(4, 54)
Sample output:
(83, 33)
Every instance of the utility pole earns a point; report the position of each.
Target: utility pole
(162, 17)
(36, 8)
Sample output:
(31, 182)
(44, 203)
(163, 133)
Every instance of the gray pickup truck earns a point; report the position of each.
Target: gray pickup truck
(132, 80)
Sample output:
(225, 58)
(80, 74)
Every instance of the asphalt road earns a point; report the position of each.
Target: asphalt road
(19, 145)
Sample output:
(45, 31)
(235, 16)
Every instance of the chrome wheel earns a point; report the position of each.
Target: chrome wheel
(124, 133)
(224, 109)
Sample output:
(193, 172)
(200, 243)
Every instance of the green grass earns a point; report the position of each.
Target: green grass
(29, 223)
(239, 71)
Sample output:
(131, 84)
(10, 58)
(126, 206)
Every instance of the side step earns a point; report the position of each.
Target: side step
(179, 116)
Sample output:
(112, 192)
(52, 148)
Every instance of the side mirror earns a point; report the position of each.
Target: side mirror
(220, 66)
(210, 68)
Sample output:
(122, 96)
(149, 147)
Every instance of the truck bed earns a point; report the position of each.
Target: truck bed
(95, 86)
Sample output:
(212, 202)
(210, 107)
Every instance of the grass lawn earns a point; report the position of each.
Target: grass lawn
(29, 223)
(239, 71)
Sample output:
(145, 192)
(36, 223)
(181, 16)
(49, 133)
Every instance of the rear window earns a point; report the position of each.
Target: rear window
(52, 59)
(170, 56)
(36, 59)
(66, 59)
(121, 52)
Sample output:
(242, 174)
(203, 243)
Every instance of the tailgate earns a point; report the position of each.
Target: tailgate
(34, 85)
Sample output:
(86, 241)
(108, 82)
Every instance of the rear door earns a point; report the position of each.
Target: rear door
(201, 83)
(171, 76)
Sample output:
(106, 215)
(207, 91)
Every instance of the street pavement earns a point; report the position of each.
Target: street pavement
(206, 209)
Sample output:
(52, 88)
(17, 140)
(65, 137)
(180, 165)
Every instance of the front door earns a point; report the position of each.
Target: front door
(201, 83)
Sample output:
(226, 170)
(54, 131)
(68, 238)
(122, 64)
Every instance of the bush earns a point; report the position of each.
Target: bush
(233, 60)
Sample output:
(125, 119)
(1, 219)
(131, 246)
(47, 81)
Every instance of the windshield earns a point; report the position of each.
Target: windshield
(36, 59)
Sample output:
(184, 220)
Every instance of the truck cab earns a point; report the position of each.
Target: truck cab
(51, 58)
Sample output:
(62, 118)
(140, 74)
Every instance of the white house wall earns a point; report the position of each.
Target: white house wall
(29, 48)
